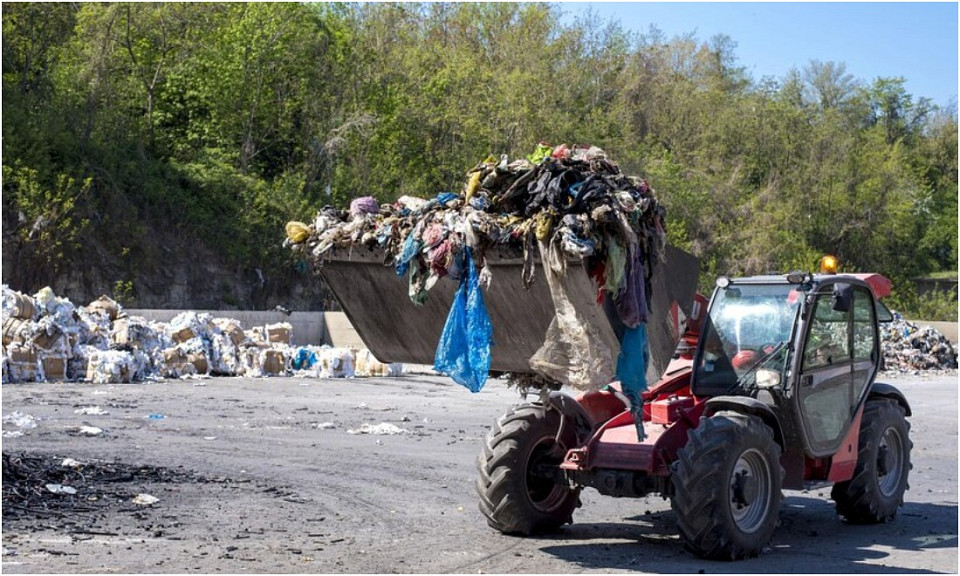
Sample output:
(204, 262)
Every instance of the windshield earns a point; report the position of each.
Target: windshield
(746, 326)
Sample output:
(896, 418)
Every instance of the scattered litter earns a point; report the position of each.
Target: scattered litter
(382, 429)
(13, 434)
(70, 463)
(91, 411)
(61, 489)
(155, 416)
(89, 431)
(324, 425)
(145, 499)
(209, 437)
(21, 420)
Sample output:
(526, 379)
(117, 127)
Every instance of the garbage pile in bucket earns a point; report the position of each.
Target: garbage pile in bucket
(556, 204)
(909, 347)
(47, 338)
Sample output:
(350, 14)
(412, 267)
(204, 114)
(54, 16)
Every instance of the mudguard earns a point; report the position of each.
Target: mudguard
(747, 405)
(888, 391)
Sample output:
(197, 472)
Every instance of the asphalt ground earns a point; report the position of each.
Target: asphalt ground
(269, 476)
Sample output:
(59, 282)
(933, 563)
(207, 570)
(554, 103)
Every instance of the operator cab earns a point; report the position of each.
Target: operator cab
(804, 339)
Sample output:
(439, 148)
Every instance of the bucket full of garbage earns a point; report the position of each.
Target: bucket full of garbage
(537, 265)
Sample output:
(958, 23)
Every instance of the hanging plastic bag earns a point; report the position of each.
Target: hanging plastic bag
(632, 370)
(579, 346)
(463, 352)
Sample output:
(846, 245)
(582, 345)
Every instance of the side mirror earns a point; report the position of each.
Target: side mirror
(842, 297)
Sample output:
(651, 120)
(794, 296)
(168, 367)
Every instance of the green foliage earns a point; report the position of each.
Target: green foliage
(219, 122)
(124, 292)
(934, 306)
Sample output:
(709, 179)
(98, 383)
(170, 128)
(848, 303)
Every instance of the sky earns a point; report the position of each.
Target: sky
(916, 41)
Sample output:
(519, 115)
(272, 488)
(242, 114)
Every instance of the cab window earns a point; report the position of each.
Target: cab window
(829, 341)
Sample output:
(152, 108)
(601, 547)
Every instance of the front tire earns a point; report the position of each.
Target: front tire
(876, 490)
(727, 484)
(515, 494)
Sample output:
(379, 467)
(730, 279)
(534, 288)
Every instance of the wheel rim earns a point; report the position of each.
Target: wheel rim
(889, 461)
(749, 491)
(543, 492)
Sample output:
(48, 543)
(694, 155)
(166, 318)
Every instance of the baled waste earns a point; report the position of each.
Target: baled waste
(47, 338)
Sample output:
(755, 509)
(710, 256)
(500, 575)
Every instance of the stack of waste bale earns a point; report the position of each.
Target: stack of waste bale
(909, 347)
(47, 338)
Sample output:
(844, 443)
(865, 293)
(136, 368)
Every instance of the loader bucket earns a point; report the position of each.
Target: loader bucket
(375, 301)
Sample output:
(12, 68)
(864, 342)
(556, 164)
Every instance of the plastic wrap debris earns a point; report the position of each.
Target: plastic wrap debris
(910, 347)
(89, 431)
(381, 429)
(145, 499)
(91, 411)
(21, 420)
(60, 489)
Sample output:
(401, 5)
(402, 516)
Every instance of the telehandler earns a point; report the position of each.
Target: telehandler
(771, 386)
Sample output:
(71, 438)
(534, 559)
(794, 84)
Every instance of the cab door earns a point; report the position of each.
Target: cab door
(826, 392)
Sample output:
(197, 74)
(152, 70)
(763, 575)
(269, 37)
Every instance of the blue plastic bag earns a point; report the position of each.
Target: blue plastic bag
(463, 352)
(632, 370)
(304, 359)
(410, 248)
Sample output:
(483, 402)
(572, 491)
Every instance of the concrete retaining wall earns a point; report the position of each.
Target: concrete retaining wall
(948, 329)
(308, 327)
(315, 328)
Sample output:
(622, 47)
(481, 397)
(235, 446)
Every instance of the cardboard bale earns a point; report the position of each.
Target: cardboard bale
(273, 362)
(51, 338)
(232, 329)
(23, 306)
(110, 367)
(199, 361)
(13, 329)
(184, 334)
(105, 305)
(22, 365)
(280, 333)
(366, 364)
(54, 368)
(335, 362)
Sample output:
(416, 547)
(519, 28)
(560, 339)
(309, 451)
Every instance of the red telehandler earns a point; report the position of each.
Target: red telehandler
(771, 386)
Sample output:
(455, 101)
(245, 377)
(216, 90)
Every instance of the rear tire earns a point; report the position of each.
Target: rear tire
(876, 490)
(727, 482)
(514, 495)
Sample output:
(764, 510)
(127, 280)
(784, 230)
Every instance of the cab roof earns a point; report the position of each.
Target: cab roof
(879, 284)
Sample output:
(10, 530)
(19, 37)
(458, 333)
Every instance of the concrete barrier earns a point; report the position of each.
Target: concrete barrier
(308, 327)
(948, 329)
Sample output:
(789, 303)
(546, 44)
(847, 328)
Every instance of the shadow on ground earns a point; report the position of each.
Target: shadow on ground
(811, 538)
